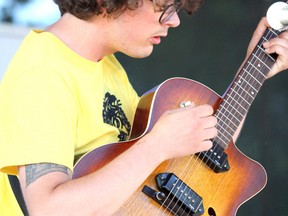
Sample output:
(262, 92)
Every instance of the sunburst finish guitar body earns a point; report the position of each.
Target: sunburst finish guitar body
(212, 183)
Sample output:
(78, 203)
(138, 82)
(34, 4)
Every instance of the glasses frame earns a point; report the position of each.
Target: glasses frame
(167, 11)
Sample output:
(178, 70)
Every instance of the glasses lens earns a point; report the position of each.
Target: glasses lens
(167, 13)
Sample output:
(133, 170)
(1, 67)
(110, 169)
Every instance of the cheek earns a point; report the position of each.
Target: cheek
(135, 31)
(136, 46)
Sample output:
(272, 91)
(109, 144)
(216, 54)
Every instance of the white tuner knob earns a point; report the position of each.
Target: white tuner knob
(277, 15)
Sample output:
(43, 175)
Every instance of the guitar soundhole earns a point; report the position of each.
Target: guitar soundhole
(211, 212)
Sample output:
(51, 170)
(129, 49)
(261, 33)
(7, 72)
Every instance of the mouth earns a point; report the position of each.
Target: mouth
(156, 40)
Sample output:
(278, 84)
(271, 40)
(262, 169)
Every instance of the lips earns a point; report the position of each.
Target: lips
(158, 35)
(156, 40)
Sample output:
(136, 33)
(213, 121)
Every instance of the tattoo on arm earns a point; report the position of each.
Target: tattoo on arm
(35, 171)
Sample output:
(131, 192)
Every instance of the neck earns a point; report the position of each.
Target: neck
(85, 37)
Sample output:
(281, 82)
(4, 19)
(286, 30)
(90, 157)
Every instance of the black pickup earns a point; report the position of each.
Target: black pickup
(215, 158)
(175, 195)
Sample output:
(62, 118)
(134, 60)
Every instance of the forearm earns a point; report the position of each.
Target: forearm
(177, 133)
(100, 193)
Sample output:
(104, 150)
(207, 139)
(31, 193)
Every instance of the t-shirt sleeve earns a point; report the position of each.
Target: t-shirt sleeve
(38, 121)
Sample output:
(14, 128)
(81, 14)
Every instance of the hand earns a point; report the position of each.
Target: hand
(277, 45)
(184, 131)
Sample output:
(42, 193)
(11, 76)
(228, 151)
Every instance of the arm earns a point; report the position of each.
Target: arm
(53, 192)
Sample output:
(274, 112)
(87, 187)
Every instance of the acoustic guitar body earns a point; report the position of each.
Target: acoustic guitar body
(221, 193)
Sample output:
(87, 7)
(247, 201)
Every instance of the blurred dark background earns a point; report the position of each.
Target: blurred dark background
(209, 47)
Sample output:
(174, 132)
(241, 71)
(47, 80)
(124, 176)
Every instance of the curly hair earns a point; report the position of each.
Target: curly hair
(85, 9)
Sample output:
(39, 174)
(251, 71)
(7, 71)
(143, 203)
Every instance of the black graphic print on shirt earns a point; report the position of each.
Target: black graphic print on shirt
(114, 115)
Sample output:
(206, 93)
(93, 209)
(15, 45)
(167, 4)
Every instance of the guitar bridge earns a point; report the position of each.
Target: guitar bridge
(175, 195)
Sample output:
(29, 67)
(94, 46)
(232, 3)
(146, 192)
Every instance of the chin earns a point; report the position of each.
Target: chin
(141, 53)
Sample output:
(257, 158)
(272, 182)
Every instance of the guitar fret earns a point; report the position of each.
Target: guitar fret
(226, 127)
(221, 142)
(252, 76)
(248, 89)
(229, 108)
(248, 94)
(262, 62)
(225, 134)
(237, 100)
(223, 137)
(242, 96)
(239, 97)
(257, 69)
(269, 56)
(229, 116)
(245, 81)
(226, 117)
(273, 31)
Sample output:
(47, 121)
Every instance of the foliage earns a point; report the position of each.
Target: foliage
(8, 8)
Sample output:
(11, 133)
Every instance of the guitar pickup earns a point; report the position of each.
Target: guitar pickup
(175, 195)
(215, 158)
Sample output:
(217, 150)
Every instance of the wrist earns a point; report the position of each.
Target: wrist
(149, 146)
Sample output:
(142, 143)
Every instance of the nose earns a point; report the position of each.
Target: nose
(173, 21)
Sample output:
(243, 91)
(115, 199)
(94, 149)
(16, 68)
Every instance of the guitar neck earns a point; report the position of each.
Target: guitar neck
(243, 90)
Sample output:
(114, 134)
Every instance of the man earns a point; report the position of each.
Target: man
(65, 94)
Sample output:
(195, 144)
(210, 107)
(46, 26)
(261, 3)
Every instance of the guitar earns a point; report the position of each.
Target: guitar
(212, 183)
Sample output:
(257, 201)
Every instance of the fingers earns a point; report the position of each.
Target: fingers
(208, 124)
(190, 130)
(207, 144)
(209, 132)
(203, 110)
(279, 46)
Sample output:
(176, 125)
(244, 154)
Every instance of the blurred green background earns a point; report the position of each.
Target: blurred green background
(209, 47)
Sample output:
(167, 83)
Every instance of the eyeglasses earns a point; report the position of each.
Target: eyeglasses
(167, 10)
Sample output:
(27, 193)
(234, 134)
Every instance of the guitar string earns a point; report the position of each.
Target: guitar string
(229, 111)
(224, 114)
(235, 91)
(250, 84)
(257, 59)
(191, 157)
(236, 80)
(183, 170)
(181, 177)
(244, 99)
(186, 172)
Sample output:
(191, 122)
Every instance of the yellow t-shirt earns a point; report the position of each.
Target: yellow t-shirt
(56, 105)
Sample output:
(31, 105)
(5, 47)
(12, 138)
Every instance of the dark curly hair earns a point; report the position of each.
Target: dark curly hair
(85, 9)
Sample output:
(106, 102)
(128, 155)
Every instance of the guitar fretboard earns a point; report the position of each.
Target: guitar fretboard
(243, 90)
